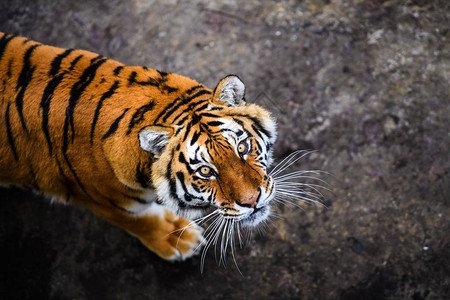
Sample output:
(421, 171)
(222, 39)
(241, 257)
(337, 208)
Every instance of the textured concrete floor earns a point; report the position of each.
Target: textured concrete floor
(365, 83)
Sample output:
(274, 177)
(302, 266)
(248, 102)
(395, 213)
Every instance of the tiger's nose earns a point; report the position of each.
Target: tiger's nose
(252, 201)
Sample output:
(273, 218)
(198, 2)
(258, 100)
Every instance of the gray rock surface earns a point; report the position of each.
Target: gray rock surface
(363, 82)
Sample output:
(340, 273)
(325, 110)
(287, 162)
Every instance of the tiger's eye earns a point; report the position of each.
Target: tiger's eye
(205, 171)
(242, 148)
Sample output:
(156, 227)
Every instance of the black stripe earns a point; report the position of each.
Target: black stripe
(258, 132)
(162, 83)
(138, 116)
(150, 81)
(182, 160)
(260, 127)
(188, 129)
(172, 183)
(9, 72)
(65, 180)
(168, 89)
(202, 107)
(56, 62)
(75, 175)
(182, 120)
(112, 129)
(74, 62)
(75, 94)
(9, 133)
(139, 200)
(182, 113)
(105, 96)
(192, 89)
(188, 109)
(115, 205)
(117, 70)
(209, 115)
(4, 41)
(194, 161)
(34, 182)
(193, 105)
(97, 58)
(196, 188)
(45, 105)
(195, 119)
(141, 178)
(256, 123)
(132, 78)
(187, 196)
(167, 108)
(214, 123)
(22, 83)
(163, 74)
(180, 177)
(259, 147)
(166, 113)
(195, 137)
(184, 101)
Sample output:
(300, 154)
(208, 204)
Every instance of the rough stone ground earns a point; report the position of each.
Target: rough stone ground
(366, 83)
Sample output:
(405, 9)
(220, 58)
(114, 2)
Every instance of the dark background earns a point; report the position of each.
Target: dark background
(366, 83)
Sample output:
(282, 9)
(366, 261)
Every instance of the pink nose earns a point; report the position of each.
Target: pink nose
(252, 201)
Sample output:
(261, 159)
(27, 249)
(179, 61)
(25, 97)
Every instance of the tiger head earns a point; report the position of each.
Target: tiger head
(219, 157)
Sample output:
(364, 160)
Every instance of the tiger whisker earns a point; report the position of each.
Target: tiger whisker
(302, 191)
(233, 250)
(299, 198)
(287, 203)
(289, 161)
(286, 161)
(215, 225)
(217, 236)
(277, 180)
(239, 234)
(223, 240)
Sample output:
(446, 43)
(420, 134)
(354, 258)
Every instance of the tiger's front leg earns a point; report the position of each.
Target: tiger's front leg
(170, 236)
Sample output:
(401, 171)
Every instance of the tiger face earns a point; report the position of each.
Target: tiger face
(219, 158)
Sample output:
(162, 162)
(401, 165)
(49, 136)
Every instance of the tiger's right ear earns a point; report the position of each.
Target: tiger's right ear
(154, 138)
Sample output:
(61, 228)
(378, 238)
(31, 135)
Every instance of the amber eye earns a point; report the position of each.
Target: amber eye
(242, 147)
(205, 171)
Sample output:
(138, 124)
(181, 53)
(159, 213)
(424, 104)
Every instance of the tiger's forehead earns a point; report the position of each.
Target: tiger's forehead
(214, 137)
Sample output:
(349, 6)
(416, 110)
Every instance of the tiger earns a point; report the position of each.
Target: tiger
(146, 150)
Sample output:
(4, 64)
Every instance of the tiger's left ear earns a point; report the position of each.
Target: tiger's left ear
(154, 139)
(230, 91)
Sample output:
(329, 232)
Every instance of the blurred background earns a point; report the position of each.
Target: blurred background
(363, 82)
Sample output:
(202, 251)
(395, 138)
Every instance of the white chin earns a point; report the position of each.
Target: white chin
(255, 218)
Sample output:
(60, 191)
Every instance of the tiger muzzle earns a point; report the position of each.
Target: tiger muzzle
(252, 201)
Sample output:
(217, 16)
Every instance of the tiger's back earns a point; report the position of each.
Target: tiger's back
(61, 109)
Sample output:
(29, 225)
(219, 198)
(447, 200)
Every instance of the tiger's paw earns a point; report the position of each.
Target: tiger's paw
(187, 239)
(173, 237)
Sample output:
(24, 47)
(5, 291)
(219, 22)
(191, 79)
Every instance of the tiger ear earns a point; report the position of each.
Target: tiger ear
(154, 138)
(230, 91)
